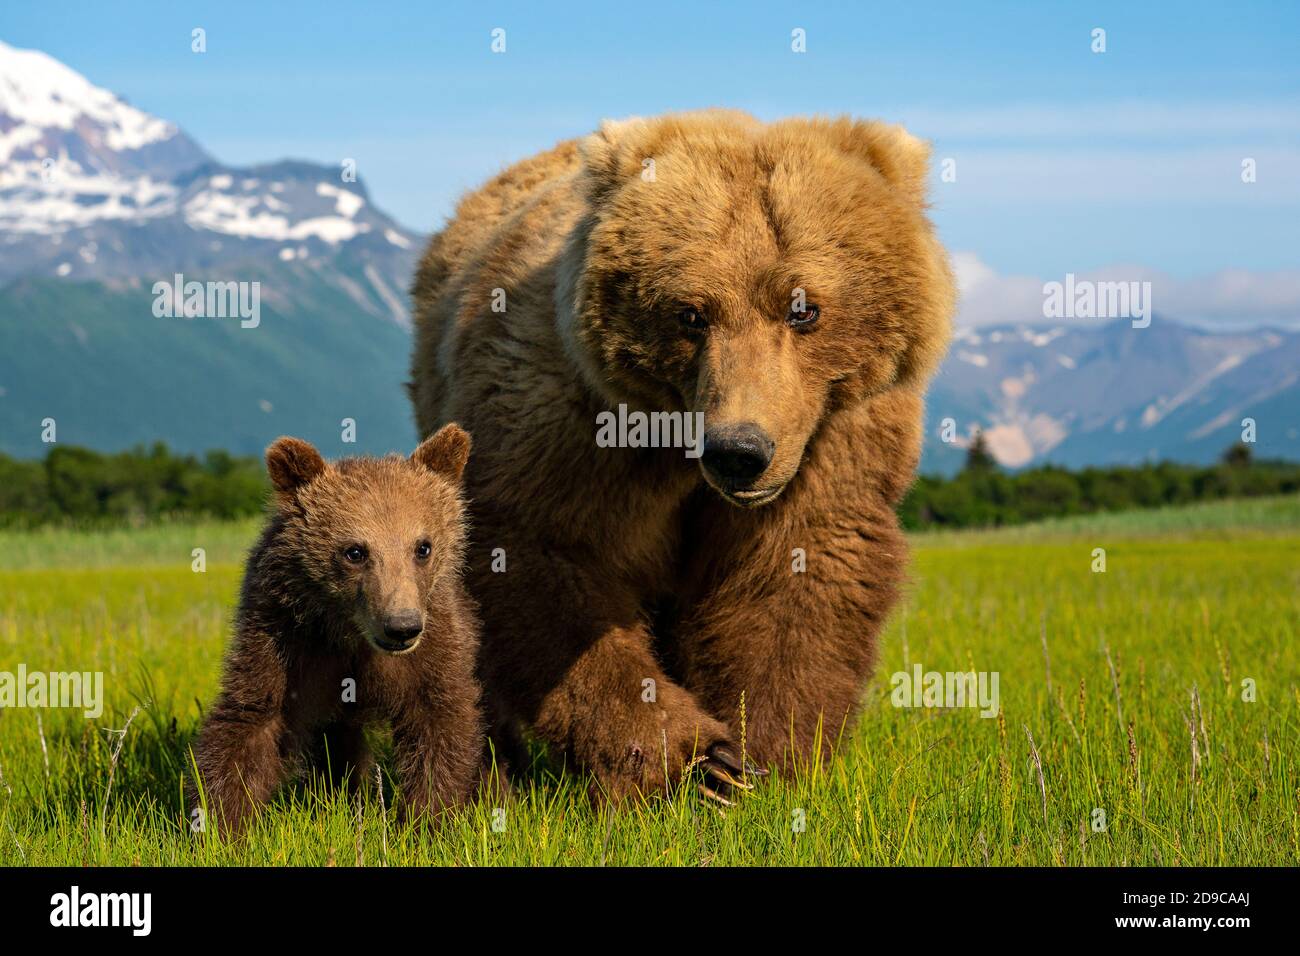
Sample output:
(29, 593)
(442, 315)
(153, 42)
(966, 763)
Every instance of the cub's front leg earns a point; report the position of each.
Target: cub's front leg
(438, 741)
(241, 751)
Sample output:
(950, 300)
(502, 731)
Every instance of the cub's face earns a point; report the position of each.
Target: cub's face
(375, 535)
(759, 274)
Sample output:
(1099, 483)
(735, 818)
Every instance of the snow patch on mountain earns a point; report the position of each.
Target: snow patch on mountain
(221, 208)
(1152, 415)
(46, 199)
(1233, 414)
(346, 204)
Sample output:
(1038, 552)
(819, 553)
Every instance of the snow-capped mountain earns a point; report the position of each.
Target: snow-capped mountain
(53, 117)
(1111, 394)
(93, 188)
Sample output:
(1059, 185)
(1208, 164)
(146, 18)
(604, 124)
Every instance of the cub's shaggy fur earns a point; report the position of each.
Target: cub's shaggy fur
(352, 611)
(783, 280)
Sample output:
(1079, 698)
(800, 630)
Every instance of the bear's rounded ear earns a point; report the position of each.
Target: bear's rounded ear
(930, 318)
(900, 157)
(607, 157)
(445, 452)
(291, 463)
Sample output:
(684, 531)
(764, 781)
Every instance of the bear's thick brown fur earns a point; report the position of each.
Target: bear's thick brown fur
(352, 611)
(784, 280)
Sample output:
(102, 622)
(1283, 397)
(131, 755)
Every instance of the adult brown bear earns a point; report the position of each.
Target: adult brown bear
(783, 280)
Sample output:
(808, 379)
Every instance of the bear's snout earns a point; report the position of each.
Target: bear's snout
(735, 455)
(402, 629)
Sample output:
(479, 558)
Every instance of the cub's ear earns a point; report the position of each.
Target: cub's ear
(445, 452)
(291, 463)
(903, 159)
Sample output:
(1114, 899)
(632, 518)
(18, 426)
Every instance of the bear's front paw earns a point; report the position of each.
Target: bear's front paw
(712, 764)
(724, 775)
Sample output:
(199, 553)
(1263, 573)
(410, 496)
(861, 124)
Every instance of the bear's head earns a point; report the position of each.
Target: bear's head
(761, 274)
(374, 537)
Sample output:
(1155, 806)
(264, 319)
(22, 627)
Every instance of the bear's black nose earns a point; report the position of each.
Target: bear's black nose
(737, 454)
(402, 627)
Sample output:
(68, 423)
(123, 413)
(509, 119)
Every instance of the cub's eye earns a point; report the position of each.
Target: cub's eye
(692, 320)
(801, 320)
(355, 553)
(423, 550)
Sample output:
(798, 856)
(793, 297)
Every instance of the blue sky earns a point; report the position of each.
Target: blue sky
(1067, 160)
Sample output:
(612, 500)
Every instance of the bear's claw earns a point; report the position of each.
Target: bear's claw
(724, 775)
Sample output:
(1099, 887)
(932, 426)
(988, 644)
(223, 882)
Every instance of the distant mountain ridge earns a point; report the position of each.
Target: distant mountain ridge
(1078, 395)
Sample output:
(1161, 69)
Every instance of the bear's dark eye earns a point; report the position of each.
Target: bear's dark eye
(801, 320)
(692, 320)
(355, 553)
(423, 550)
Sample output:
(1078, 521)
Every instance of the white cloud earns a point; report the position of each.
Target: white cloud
(1231, 298)
(987, 298)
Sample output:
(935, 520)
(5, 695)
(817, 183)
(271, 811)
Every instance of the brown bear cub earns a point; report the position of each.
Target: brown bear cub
(351, 612)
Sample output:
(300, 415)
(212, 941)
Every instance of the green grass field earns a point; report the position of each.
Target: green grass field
(1135, 708)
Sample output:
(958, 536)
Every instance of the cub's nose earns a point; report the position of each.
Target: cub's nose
(403, 627)
(737, 454)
